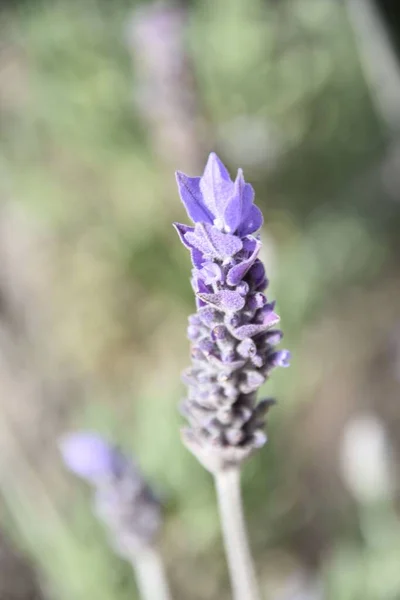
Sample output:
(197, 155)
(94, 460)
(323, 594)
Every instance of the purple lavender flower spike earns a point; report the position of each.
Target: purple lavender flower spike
(122, 499)
(234, 331)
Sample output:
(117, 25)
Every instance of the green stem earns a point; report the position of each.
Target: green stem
(150, 575)
(240, 563)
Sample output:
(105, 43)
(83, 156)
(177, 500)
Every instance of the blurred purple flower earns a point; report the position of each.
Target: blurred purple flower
(232, 333)
(123, 499)
(89, 456)
(165, 86)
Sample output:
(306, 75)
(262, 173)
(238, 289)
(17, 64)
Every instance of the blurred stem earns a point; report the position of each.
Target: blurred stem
(240, 563)
(150, 575)
(378, 60)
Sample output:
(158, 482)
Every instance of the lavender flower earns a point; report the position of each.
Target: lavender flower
(232, 334)
(123, 500)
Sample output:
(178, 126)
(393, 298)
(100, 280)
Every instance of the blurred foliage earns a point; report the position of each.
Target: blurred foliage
(282, 90)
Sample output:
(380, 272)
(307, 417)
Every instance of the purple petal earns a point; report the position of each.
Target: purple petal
(281, 358)
(243, 288)
(263, 314)
(238, 207)
(216, 186)
(256, 301)
(212, 242)
(199, 285)
(237, 272)
(189, 191)
(181, 229)
(256, 274)
(232, 214)
(249, 242)
(200, 303)
(224, 300)
(197, 258)
(252, 222)
(271, 319)
(89, 456)
(247, 197)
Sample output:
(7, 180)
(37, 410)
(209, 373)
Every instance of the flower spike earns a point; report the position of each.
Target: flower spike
(233, 333)
(122, 499)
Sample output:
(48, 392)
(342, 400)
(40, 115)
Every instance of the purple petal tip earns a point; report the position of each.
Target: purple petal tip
(282, 358)
(87, 454)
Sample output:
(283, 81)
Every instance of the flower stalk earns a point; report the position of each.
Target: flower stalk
(240, 562)
(150, 574)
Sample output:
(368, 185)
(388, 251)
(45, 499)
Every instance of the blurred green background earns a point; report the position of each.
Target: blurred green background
(100, 102)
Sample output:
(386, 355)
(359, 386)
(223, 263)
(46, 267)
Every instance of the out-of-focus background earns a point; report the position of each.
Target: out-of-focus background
(100, 101)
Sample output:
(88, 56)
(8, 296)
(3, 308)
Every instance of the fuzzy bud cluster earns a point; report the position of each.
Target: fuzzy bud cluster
(122, 500)
(233, 333)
